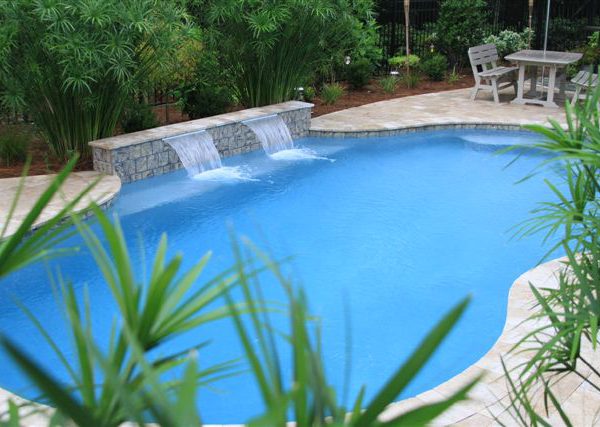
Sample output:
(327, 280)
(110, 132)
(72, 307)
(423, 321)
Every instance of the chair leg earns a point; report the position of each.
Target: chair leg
(495, 91)
(576, 95)
(474, 91)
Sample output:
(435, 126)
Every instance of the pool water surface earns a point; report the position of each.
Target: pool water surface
(398, 229)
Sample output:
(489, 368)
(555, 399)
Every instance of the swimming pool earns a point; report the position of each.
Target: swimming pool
(400, 228)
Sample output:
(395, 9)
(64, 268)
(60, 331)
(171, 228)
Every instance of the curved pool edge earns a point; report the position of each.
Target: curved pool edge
(488, 399)
(413, 128)
(103, 194)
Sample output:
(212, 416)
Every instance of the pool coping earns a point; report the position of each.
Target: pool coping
(103, 194)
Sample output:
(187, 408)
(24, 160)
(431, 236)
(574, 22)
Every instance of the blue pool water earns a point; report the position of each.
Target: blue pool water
(399, 229)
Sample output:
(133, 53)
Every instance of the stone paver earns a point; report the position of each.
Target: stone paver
(102, 194)
(434, 109)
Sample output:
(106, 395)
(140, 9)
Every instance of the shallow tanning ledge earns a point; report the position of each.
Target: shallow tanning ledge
(143, 154)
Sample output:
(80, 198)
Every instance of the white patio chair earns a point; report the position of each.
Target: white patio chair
(584, 80)
(488, 75)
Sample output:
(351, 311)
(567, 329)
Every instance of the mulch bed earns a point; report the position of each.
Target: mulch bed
(42, 162)
(374, 93)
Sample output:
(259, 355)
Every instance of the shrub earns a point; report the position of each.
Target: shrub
(359, 73)
(270, 48)
(309, 93)
(73, 65)
(205, 100)
(331, 93)
(508, 41)
(459, 26)
(435, 67)
(138, 117)
(14, 144)
(566, 34)
(400, 62)
(591, 52)
(389, 84)
(453, 76)
(411, 80)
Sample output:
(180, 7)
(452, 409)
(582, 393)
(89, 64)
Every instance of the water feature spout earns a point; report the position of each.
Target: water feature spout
(272, 132)
(196, 151)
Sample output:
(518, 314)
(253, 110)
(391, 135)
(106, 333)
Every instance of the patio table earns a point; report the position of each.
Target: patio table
(539, 58)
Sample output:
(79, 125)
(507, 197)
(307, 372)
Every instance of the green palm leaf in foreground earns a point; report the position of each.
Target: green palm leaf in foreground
(126, 381)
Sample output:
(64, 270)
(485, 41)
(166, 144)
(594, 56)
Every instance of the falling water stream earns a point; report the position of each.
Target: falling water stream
(196, 151)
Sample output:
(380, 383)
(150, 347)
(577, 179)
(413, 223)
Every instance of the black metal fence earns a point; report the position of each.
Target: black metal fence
(571, 22)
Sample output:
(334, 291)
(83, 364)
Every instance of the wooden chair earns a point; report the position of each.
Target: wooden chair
(487, 74)
(584, 80)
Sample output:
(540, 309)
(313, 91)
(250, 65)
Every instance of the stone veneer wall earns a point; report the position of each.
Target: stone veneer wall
(143, 154)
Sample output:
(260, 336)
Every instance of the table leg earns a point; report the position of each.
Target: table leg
(533, 80)
(519, 99)
(551, 85)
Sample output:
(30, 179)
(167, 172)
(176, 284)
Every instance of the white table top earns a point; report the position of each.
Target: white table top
(541, 57)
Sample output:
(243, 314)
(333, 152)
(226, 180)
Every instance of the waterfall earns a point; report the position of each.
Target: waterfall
(272, 133)
(196, 151)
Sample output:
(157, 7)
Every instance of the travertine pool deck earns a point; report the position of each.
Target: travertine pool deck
(434, 110)
(102, 194)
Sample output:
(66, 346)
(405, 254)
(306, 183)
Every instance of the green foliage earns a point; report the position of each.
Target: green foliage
(435, 66)
(453, 76)
(389, 84)
(460, 25)
(358, 73)
(411, 80)
(72, 65)
(565, 322)
(14, 143)
(566, 34)
(17, 251)
(138, 116)
(508, 41)
(591, 52)
(208, 93)
(330, 93)
(310, 397)
(125, 381)
(403, 61)
(309, 93)
(204, 101)
(271, 48)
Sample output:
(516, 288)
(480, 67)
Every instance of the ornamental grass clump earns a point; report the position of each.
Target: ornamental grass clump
(72, 65)
(269, 49)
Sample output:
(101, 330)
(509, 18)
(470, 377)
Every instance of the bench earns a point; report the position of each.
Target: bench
(488, 75)
(584, 80)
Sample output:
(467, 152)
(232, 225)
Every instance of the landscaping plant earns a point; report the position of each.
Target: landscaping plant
(564, 339)
(14, 143)
(137, 116)
(434, 67)
(460, 25)
(330, 93)
(389, 84)
(271, 48)
(508, 41)
(73, 65)
(358, 73)
(125, 381)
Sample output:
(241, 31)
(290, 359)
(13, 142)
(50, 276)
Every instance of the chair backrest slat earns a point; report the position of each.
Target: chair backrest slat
(585, 78)
(484, 54)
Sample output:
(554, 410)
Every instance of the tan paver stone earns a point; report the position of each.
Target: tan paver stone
(103, 193)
